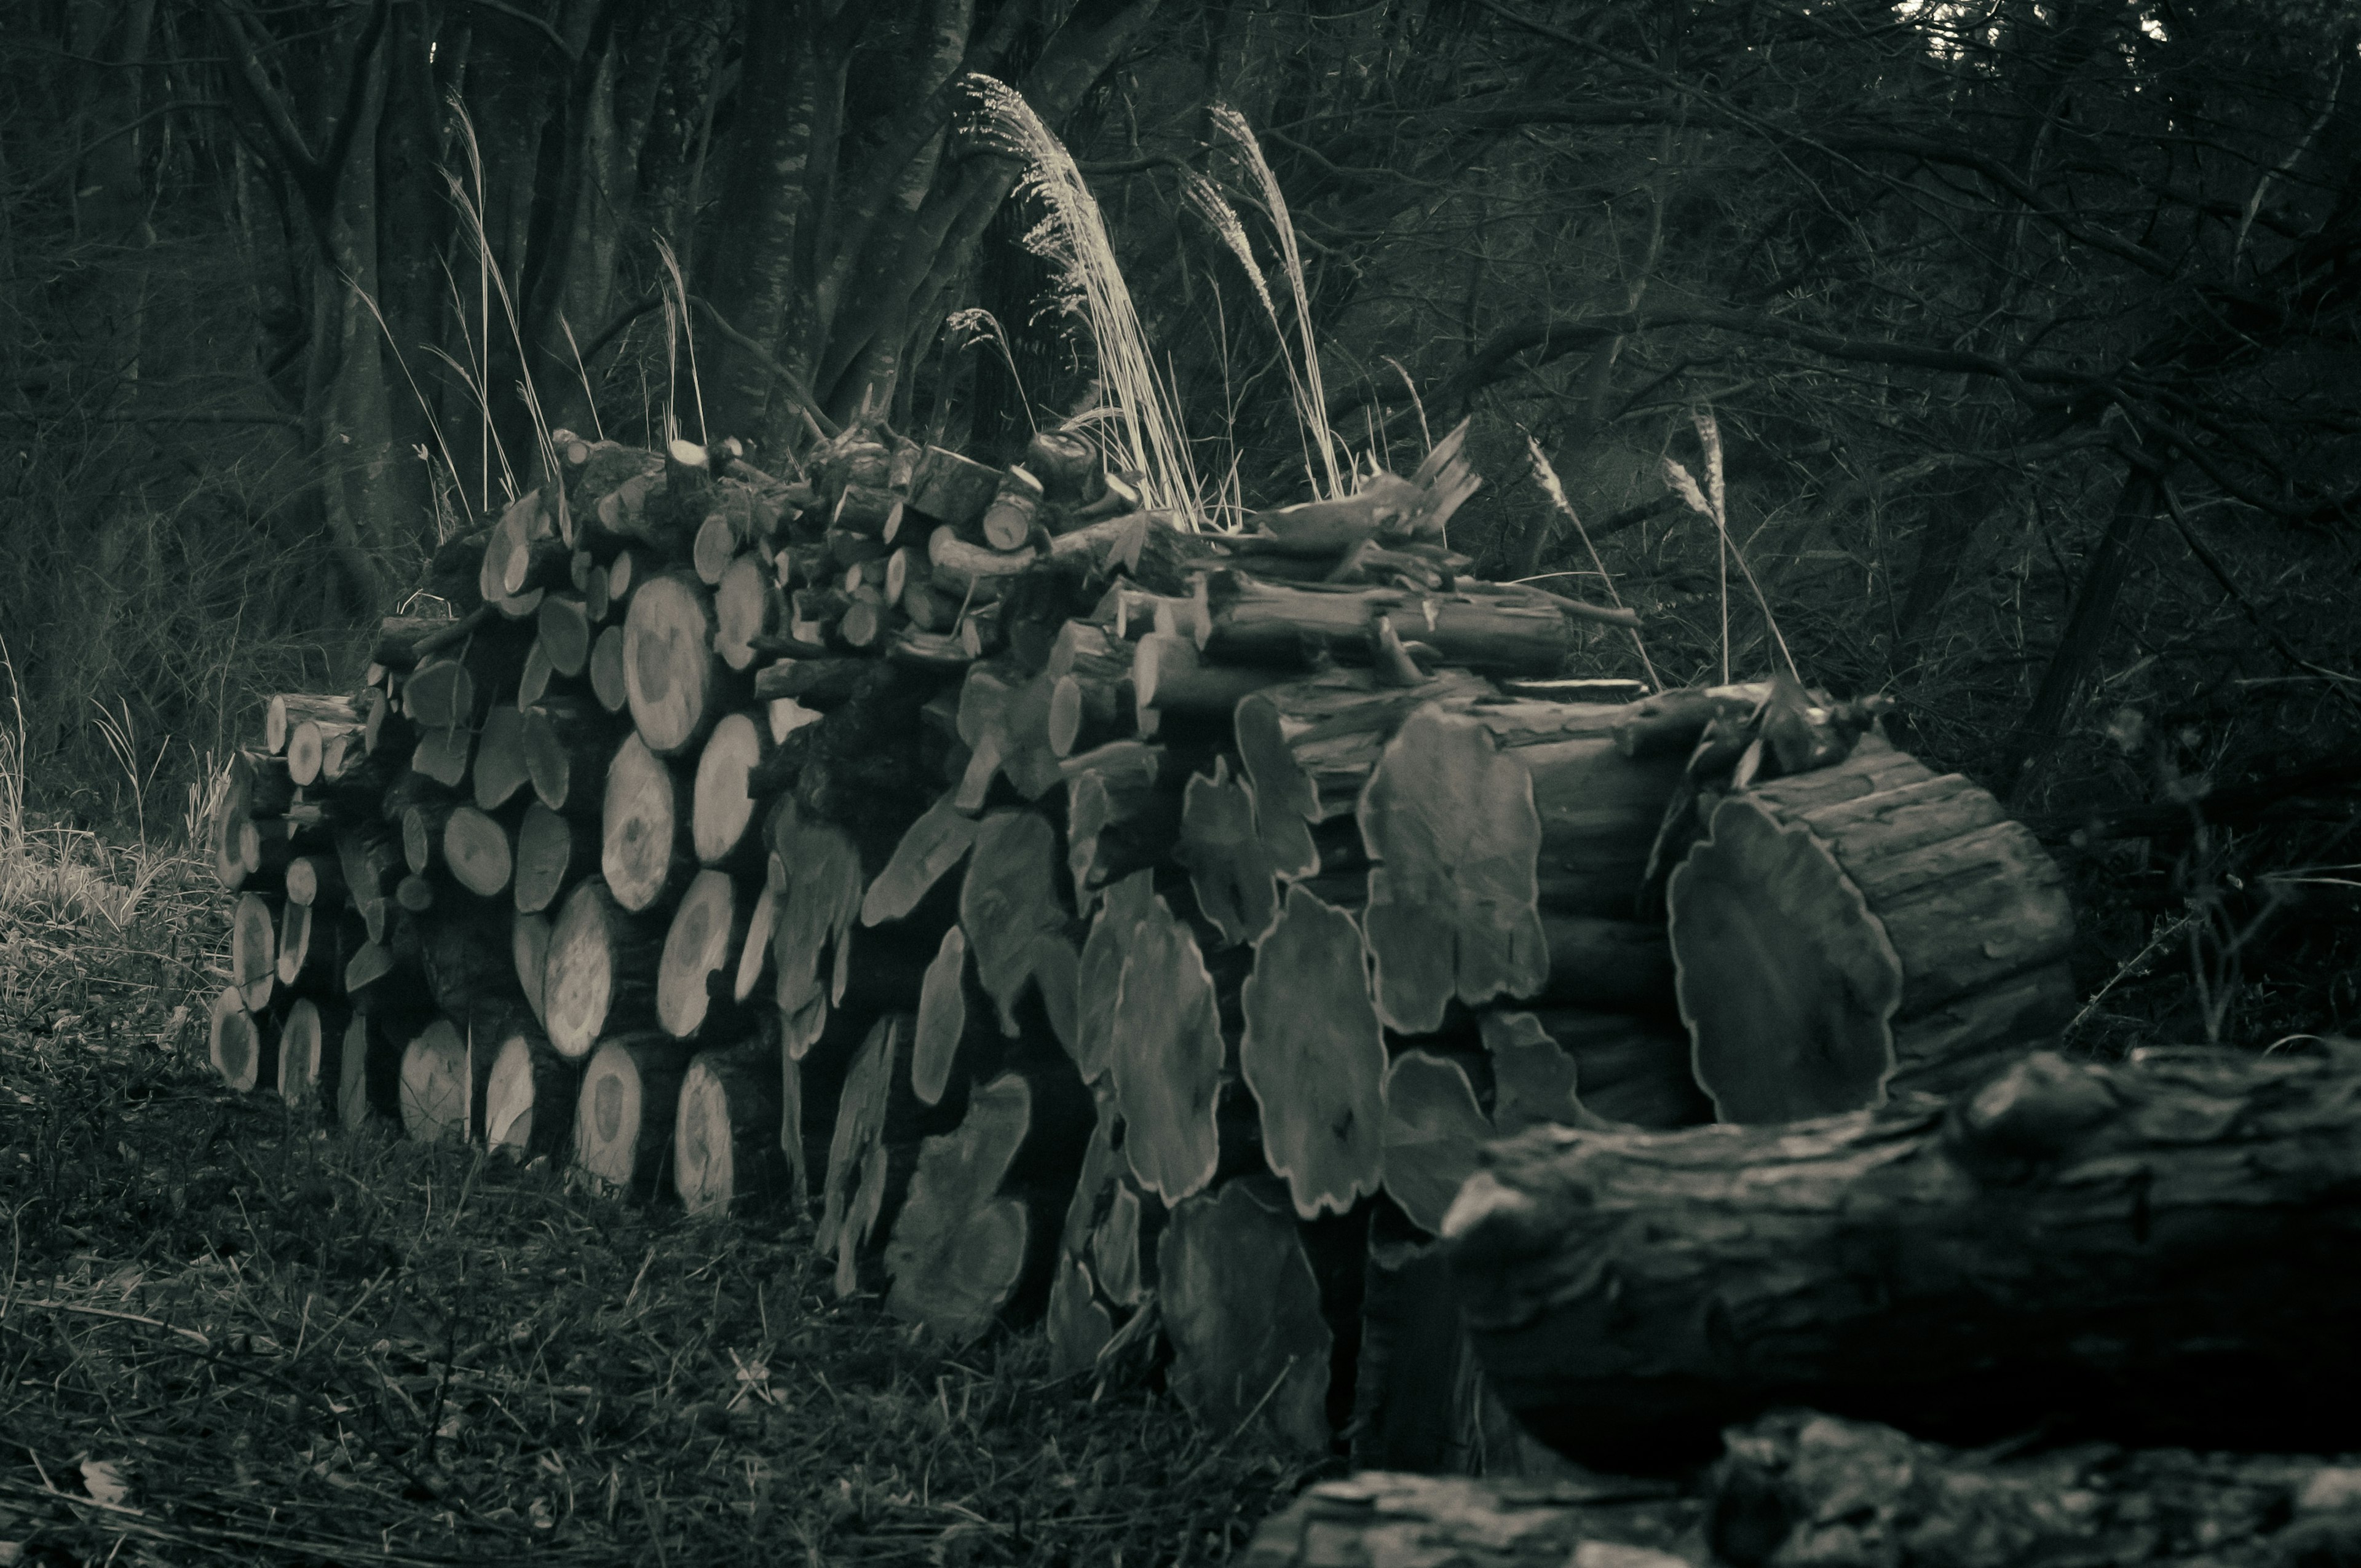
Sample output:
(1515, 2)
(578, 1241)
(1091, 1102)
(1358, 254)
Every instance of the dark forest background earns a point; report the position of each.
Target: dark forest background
(2028, 330)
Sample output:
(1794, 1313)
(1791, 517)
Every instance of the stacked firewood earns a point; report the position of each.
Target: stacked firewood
(1093, 919)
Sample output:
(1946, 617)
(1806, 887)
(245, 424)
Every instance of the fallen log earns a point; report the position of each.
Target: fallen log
(528, 1098)
(600, 972)
(647, 851)
(2149, 1253)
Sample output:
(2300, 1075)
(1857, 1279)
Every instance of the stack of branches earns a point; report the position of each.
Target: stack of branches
(1096, 919)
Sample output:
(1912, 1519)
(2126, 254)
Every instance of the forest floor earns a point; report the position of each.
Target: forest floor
(228, 1336)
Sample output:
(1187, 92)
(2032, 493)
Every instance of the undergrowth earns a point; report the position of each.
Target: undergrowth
(226, 1335)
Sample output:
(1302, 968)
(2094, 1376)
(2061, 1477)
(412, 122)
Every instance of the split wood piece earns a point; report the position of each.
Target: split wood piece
(442, 755)
(236, 1043)
(289, 709)
(677, 684)
(950, 488)
(607, 680)
(1007, 523)
(722, 814)
(1574, 1068)
(747, 605)
(552, 852)
(529, 938)
(1263, 623)
(646, 852)
(1009, 900)
(440, 695)
(1452, 910)
(308, 957)
(1078, 1324)
(974, 574)
(2174, 1227)
(568, 745)
(322, 750)
(368, 858)
(625, 573)
(597, 592)
(501, 766)
(265, 852)
(422, 823)
(1379, 1518)
(529, 1099)
(308, 1042)
(726, 1155)
(625, 1110)
(754, 962)
(1232, 868)
(935, 843)
(1166, 1055)
(368, 1069)
(1309, 743)
(1124, 803)
(1830, 951)
(1242, 1309)
(384, 728)
(257, 787)
(1128, 905)
(480, 851)
(253, 950)
(1434, 1135)
(314, 879)
(1123, 1245)
(384, 977)
(600, 972)
(1313, 1054)
(977, 1233)
(942, 1019)
(872, 1151)
(438, 1086)
(705, 938)
(562, 629)
(815, 922)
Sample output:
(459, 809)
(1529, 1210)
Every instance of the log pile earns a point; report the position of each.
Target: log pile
(1091, 920)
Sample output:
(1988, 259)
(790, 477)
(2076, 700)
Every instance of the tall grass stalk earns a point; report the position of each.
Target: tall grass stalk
(1311, 398)
(494, 286)
(1144, 432)
(1545, 475)
(1712, 504)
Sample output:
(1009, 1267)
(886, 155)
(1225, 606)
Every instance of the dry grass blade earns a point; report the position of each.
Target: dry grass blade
(1545, 475)
(1311, 398)
(1145, 432)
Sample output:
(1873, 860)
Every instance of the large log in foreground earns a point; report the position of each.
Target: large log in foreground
(2159, 1252)
(1801, 1488)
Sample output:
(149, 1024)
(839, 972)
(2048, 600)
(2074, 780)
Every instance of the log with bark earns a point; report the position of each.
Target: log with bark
(1864, 929)
(625, 1110)
(726, 1153)
(2146, 1253)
